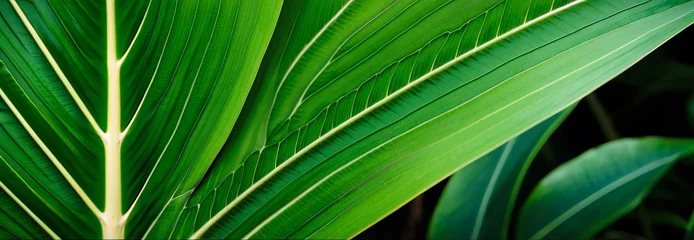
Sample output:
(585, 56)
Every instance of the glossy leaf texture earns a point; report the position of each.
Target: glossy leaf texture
(362, 105)
(586, 194)
(108, 107)
(169, 119)
(478, 199)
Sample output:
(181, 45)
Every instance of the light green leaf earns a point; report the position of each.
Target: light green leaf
(586, 194)
(157, 118)
(478, 200)
(354, 117)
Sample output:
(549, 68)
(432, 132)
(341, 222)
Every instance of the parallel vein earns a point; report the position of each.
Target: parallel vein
(50, 155)
(57, 69)
(28, 211)
(371, 108)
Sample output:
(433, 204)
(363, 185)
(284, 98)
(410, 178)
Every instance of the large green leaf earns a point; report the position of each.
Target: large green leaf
(119, 117)
(350, 120)
(586, 194)
(478, 200)
(108, 106)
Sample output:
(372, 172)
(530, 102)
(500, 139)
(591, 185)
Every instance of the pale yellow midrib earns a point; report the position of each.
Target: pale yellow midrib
(112, 219)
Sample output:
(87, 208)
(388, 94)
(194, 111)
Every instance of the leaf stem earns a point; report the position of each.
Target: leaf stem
(604, 120)
(415, 218)
(112, 224)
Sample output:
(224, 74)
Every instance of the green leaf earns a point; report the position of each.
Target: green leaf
(351, 119)
(478, 200)
(267, 119)
(18, 221)
(107, 106)
(586, 194)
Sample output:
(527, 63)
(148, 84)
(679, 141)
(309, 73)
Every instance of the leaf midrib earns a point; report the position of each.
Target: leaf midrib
(368, 110)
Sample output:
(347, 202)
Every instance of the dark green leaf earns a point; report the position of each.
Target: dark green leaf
(586, 194)
(478, 200)
(125, 118)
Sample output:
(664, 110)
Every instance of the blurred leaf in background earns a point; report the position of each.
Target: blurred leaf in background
(478, 200)
(586, 194)
(659, 72)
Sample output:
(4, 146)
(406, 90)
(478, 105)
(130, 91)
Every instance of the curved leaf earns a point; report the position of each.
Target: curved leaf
(478, 199)
(589, 192)
(352, 118)
(119, 118)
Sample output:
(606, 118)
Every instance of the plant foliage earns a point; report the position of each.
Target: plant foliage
(271, 119)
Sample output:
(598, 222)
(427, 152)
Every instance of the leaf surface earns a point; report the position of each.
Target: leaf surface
(107, 106)
(478, 199)
(586, 194)
(169, 119)
(351, 118)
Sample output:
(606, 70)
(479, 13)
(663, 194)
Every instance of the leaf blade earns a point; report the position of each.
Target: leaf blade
(623, 172)
(454, 216)
(343, 150)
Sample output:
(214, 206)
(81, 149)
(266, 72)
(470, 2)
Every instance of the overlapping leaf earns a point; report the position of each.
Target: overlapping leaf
(478, 200)
(353, 120)
(588, 193)
(121, 112)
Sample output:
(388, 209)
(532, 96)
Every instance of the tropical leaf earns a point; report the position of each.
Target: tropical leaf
(108, 106)
(125, 119)
(350, 121)
(470, 209)
(586, 194)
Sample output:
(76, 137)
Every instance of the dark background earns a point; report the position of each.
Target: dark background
(655, 97)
